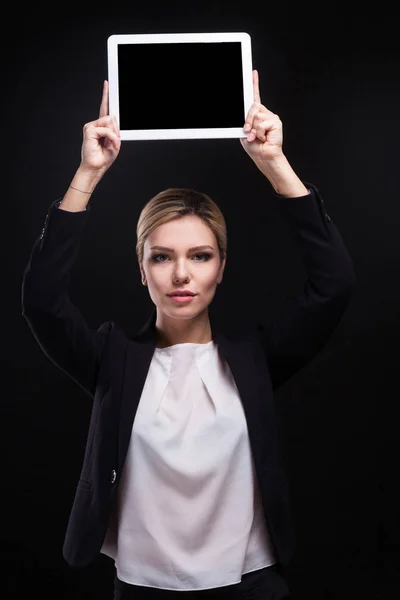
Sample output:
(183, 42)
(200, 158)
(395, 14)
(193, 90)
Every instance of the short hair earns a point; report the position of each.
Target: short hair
(175, 203)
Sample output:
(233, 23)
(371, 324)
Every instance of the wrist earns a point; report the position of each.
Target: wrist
(282, 177)
(86, 179)
(80, 190)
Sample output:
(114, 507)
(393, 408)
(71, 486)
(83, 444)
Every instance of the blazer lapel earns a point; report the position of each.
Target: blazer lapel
(139, 354)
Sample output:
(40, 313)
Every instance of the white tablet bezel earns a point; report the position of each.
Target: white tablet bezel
(168, 134)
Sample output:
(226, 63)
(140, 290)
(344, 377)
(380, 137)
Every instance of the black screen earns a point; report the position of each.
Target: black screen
(180, 85)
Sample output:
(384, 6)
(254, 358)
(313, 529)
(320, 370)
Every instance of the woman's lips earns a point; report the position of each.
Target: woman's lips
(182, 298)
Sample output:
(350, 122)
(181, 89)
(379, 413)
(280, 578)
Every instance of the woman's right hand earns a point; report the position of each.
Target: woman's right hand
(101, 143)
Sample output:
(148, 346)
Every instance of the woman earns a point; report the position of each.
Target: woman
(182, 483)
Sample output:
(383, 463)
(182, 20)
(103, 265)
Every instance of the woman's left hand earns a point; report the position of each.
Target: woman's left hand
(264, 137)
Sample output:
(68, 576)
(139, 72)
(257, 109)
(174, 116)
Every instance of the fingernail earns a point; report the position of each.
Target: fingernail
(247, 127)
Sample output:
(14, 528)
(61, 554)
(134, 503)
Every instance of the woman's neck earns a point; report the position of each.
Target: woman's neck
(190, 333)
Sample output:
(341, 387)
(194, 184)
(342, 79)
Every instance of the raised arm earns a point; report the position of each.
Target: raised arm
(54, 320)
(297, 334)
(307, 323)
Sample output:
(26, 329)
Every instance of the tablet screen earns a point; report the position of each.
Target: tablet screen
(180, 85)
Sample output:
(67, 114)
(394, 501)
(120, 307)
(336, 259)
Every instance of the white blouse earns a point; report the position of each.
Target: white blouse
(189, 514)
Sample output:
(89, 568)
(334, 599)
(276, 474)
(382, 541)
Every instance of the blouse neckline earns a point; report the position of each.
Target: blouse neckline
(189, 344)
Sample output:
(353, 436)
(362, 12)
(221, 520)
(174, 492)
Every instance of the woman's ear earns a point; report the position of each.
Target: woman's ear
(221, 271)
(143, 275)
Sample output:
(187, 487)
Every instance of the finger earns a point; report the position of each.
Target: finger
(261, 113)
(248, 125)
(104, 132)
(106, 121)
(259, 135)
(112, 124)
(259, 117)
(256, 88)
(262, 128)
(264, 111)
(104, 101)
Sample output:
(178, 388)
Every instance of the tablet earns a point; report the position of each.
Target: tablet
(180, 85)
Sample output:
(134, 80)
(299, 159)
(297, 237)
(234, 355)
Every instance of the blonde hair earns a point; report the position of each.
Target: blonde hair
(174, 203)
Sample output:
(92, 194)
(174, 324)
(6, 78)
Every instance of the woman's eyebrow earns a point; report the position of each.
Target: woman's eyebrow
(165, 249)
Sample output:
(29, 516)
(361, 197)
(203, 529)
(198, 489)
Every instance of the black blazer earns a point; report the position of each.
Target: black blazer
(112, 366)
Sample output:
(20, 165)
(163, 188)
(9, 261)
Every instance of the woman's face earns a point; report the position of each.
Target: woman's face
(187, 258)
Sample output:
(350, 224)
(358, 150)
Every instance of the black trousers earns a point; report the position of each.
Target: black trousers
(264, 584)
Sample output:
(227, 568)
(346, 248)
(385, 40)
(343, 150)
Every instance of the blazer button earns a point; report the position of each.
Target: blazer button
(113, 476)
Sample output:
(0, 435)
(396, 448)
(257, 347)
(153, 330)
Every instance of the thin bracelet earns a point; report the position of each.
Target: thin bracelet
(74, 188)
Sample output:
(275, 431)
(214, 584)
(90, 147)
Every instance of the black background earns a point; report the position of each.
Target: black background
(332, 75)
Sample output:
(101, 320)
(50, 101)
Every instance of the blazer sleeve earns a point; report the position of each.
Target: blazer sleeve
(54, 320)
(307, 324)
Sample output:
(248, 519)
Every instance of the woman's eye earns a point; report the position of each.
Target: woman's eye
(155, 257)
(205, 256)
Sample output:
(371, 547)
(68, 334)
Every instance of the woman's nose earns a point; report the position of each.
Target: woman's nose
(181, 271)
